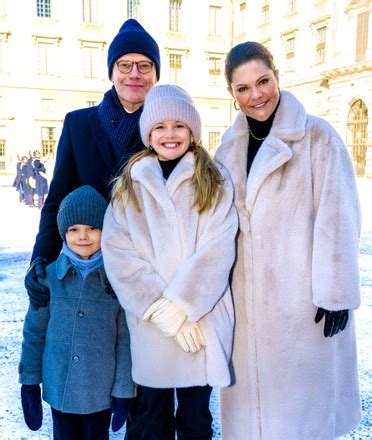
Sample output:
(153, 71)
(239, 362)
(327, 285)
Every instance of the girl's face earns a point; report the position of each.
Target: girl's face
(84, 240)
(255, 88)
(170, 139)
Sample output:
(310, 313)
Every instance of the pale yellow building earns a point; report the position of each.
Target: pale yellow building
(53, 60)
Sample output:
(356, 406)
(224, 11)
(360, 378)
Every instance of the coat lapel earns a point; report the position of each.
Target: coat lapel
(272, 154)
(148, 172)
(275, 151)
(233, 153)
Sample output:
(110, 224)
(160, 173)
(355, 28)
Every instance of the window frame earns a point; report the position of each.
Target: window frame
(44, 8)
(175, 7)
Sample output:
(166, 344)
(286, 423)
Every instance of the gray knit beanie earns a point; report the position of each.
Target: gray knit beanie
(84, 206)
(169, 103)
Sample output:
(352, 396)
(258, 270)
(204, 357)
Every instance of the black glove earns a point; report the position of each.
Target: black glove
(120, 409)
(31, 405)
(334, 321)
(39, 294)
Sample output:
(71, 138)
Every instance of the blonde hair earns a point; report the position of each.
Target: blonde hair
(206, 180)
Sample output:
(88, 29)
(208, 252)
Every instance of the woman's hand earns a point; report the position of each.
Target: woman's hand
(334, 322)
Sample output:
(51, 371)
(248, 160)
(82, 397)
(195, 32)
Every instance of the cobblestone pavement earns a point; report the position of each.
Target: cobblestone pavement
(17, 232)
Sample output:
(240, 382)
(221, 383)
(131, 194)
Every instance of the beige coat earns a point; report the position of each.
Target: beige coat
(169, 249)
(297, 250)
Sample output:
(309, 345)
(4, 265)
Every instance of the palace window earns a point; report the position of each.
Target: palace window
(89, 11)
(215, 71)
(320, 44)
(362, 36)
(215, 20)
(45, 55)
(134, 9)
(174, 15)
(265, 11)
(290, 53)
(90, 61)
(214, 138)
(175, 66)
(43, 8)
(48, 142)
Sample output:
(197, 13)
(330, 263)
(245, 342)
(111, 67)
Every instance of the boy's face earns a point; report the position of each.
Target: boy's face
(84, 240)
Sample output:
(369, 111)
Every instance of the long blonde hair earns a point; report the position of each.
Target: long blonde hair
(206, 180)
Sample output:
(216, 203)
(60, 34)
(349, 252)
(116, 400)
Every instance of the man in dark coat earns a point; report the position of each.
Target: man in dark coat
(96, 142)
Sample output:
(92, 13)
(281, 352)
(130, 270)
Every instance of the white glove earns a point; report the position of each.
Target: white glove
(157, 305)
(166, 315)
(190, 337)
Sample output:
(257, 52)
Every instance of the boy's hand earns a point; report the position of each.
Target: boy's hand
(120, 409)
(31, 405)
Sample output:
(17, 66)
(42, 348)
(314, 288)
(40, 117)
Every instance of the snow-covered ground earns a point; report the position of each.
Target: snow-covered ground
(18, 227)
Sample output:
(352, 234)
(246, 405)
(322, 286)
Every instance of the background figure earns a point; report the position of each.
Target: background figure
(29, 181)
(95, 144)
(41, 182)
(296, 278)
(23, 181)
(17, 184)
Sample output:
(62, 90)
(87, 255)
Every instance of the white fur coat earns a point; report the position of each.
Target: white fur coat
(297, 250)
(169, 249)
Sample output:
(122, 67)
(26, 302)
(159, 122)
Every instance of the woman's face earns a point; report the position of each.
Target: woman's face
(255, 88)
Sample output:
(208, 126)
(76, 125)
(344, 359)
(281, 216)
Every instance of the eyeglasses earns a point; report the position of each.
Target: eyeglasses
(127, 66)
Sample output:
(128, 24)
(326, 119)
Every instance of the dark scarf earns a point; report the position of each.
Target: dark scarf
(122, 128)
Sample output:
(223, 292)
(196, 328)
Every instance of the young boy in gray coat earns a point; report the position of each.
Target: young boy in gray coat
(77, 346)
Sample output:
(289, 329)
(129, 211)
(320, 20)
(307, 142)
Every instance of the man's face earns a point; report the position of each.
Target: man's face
(132, 87)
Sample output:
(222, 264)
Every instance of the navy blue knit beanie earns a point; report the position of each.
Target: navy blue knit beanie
(84, 206)
(133, 38)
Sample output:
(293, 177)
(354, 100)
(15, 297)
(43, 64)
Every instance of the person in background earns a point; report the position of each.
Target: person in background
(168, 245)
(23, 181)
(29, 181)
(95, 144)
(295, 283)
(78, 345)
(41, 182)
(17, 184)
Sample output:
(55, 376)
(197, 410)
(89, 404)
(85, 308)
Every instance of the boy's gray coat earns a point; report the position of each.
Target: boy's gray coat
(297, 250)
(169, 249)
(77, 346)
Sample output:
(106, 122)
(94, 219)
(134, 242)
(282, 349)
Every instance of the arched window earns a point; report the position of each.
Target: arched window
(357, 122)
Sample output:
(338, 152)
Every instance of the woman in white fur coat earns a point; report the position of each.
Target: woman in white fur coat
(168, 245)
(295, 377)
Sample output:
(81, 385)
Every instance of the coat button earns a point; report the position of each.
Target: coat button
(80, 314)
(75, 359)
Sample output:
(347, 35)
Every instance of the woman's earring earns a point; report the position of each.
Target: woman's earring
(236, 107)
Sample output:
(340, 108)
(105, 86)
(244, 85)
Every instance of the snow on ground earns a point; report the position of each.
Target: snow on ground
(18, 227)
